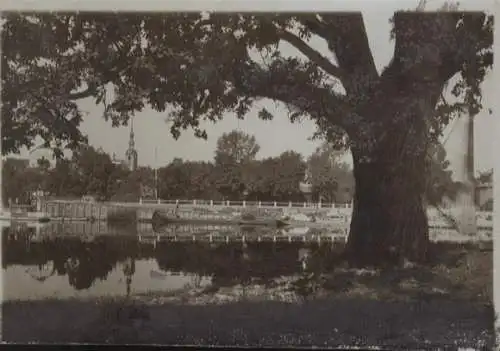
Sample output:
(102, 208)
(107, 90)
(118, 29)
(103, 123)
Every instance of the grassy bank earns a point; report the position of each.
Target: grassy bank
(448, 302)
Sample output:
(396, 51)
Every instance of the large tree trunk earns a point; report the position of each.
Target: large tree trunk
(389, 221)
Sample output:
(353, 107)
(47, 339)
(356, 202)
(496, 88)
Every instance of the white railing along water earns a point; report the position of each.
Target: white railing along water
(243, 203)
(436, 219)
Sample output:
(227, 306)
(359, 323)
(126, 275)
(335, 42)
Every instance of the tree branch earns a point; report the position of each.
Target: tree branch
(345, 34)
(310, 53)
(294, 87)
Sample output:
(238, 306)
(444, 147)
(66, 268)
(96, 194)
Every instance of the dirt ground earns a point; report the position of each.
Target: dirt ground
(447, 303)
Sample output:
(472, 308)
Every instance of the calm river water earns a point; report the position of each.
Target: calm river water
(68, 261)
(92, 260)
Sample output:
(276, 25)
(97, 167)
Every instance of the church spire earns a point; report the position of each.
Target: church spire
(131, 141)
(131, 153)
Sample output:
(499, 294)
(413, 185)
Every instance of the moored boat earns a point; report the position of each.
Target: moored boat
(160, 219)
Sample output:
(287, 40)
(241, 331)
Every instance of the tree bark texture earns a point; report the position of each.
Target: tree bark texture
(389, 220)
(388, 118)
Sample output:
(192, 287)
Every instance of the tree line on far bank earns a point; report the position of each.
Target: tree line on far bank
(234, 174)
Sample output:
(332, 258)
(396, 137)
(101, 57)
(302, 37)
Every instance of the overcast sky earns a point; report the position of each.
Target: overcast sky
(274, 137)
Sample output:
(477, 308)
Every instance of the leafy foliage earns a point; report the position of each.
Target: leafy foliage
(197, 66)
(276, 178)
(233, 155)
(288, 173)
(91, 172)
(18, 180)
(186, 179)
(236, 147)
(94, 171)
(332, 179)
(88, 172)
(130, 186)
(439, 180)
(63, 181)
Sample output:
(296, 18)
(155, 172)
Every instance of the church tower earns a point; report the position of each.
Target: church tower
(131, 153)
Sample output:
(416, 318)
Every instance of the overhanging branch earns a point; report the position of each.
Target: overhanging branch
(292, 87)
(310, 53)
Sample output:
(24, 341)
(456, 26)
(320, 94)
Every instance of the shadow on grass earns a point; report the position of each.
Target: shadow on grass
(325, 322)
(461, 272)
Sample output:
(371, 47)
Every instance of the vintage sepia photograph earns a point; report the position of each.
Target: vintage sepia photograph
(249, 179)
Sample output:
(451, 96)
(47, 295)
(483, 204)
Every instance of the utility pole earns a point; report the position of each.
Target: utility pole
(1, 168)
(156, 173)
(466, 198)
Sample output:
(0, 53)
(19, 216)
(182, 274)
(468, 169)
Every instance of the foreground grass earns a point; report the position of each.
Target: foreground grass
(448, 302)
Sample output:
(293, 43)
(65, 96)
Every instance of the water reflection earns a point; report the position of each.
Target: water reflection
(72, 261)
(92, 259)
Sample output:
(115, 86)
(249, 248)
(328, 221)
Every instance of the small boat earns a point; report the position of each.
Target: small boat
(39, 217)
(31, 217)
(160, 219)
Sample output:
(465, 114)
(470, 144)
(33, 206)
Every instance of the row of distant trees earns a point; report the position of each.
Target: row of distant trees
(235, 173)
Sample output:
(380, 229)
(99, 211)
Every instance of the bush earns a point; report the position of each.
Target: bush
(487, 206)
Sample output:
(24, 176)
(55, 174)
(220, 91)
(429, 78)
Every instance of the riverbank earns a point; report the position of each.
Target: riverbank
(127, 213)
(446, 303)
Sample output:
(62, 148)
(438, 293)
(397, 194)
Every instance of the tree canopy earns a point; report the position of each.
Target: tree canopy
(196, 66)
(236, 147)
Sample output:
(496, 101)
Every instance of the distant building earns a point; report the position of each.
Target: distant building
(130, 161)
(131, 153)
(88, 198)
(147, 192)
(484, 196)
(118, 162)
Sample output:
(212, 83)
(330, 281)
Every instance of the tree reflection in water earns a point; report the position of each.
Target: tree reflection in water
(88, 263)
(227, 264)
(83, 262)
(128, 272)
(42, 272)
